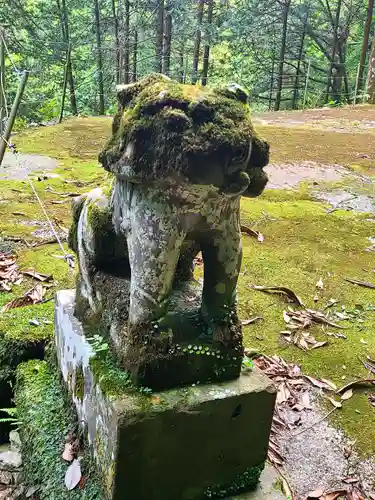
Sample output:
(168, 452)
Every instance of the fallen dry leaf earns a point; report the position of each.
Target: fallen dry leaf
(33, 296)
(347, 394)
(38, 276)
(371, 398)
(246, 322)
(286, 489)
(316, 493)
(320, 383)
(252, 232)
(361, 283)
(333, 495)
(282, 290)
(335, 403)
(366, 381)
(68, 454)
(82, 482)
(319, 344)
(73, 475)
(350, 480)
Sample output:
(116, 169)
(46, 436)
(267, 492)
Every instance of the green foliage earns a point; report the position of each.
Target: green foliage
(12, 416)
(245, 46)
(46, 421)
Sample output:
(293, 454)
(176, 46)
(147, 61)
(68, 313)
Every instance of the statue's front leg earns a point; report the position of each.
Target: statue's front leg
(154, 239)
(222, 256)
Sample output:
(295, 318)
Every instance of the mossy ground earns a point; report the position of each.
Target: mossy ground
(46, 421)
(302, 244)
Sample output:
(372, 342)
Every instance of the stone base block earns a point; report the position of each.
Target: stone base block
(191, 443)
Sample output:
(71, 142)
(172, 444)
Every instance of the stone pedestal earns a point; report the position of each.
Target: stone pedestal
(191, 443)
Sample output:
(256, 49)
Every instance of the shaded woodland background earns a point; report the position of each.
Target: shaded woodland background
(289, 54)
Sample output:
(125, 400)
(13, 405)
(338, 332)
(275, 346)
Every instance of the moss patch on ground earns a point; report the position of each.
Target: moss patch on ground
(46, 421)
(303, 243)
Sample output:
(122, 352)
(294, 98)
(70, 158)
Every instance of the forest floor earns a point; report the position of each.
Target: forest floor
(317, 218)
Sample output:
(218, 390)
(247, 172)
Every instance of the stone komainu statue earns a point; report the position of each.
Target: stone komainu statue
(181, 157)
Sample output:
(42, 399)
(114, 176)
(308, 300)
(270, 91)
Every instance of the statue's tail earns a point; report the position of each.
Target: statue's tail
(77, 206)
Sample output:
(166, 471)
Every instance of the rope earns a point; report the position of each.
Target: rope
(8, 52)
(67, 257)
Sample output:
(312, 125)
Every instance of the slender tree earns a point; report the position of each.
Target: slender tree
(99, 57)
(206, 54)
(117, 39)
(159, 36)
(64, 20)
(335, 81)
(365, 44)
(126, 55)
(286, 8)
(371, 75)
(299, 61)
(135, 55)
(197, 44)
(167, 37)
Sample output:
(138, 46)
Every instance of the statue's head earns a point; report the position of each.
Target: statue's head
(167, 129)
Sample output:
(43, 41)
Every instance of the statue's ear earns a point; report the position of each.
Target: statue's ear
(234, 91)
(126, 93)
(260, 152)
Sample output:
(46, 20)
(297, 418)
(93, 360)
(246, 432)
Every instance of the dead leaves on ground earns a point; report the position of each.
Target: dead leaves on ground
(33, 296)
(292, 393)
(9, 273)
(298, 323)
(352, 493)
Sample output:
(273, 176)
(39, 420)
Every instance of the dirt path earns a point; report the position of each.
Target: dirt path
(13, 166)
(360, 119)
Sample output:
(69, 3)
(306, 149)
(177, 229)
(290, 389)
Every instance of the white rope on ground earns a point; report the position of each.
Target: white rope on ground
(67, 257)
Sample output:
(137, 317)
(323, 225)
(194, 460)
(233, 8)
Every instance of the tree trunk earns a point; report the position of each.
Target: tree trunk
(371, 75)
(66, 37)
(181, 66)
(126, 59)
(99, 57)
(333, 54)
(282, 55)
(159, 36)
(197, 45)
(365, 45)
(206, 55)
(167, 38)
(117, 40)
(135, 55)
(298, 70)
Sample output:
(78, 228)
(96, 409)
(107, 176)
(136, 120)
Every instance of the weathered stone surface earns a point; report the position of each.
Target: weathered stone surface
(267, 489)
(15, 441)
(177, 444)
(10, 461)
(181, 156)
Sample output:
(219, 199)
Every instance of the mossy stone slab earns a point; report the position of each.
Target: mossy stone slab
(191, 443)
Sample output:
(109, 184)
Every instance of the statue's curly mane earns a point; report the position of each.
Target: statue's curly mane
(163, 128)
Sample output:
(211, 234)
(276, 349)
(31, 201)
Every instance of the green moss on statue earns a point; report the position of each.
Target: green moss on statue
(247, 481)
(205, 133)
